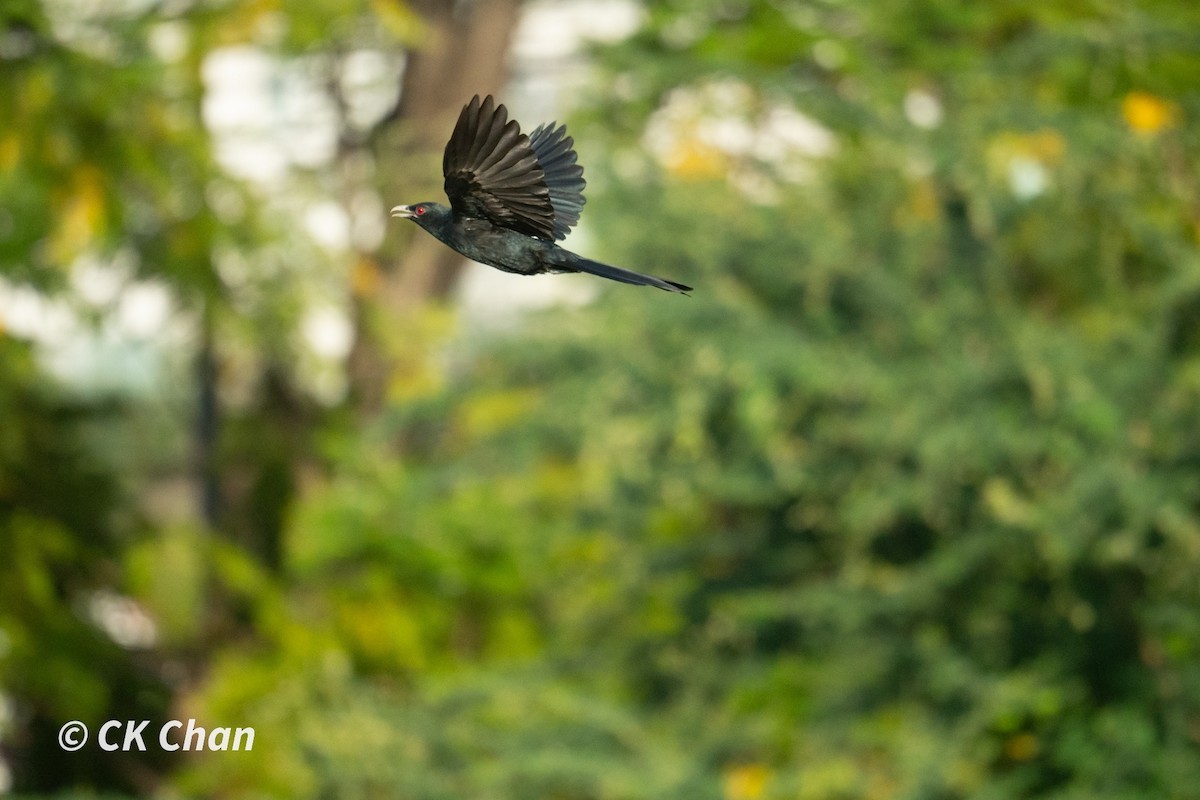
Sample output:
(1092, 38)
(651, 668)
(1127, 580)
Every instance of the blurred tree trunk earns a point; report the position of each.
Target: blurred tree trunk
(464, 54)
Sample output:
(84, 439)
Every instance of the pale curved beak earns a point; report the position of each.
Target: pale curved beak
(404, 212)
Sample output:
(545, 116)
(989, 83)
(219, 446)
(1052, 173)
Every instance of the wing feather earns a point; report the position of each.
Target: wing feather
(491, 172)
(564, 177)
(529, 184)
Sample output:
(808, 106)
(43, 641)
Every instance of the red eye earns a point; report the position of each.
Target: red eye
(420, 211)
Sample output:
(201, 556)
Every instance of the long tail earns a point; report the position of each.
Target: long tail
(572, 262)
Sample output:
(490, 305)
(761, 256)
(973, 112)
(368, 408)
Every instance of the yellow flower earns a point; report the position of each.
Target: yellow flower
(81, 214)
(1147, 114)
(698, 161)
(365, 278)
(745, 781)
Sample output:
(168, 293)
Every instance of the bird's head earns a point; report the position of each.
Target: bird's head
(427, 215)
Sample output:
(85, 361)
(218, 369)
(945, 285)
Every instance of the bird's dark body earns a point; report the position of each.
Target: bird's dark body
(512, 196)
(502, 248)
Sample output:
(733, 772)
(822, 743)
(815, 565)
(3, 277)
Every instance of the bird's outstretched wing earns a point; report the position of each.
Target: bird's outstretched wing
(493, 171)
(556, 156)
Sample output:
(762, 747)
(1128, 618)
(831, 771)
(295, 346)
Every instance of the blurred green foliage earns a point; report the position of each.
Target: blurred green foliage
(903, 502)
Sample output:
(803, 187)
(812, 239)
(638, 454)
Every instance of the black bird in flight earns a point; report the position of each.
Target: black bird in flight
(512, 196)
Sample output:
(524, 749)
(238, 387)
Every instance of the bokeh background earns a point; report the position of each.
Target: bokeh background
(903, 502)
